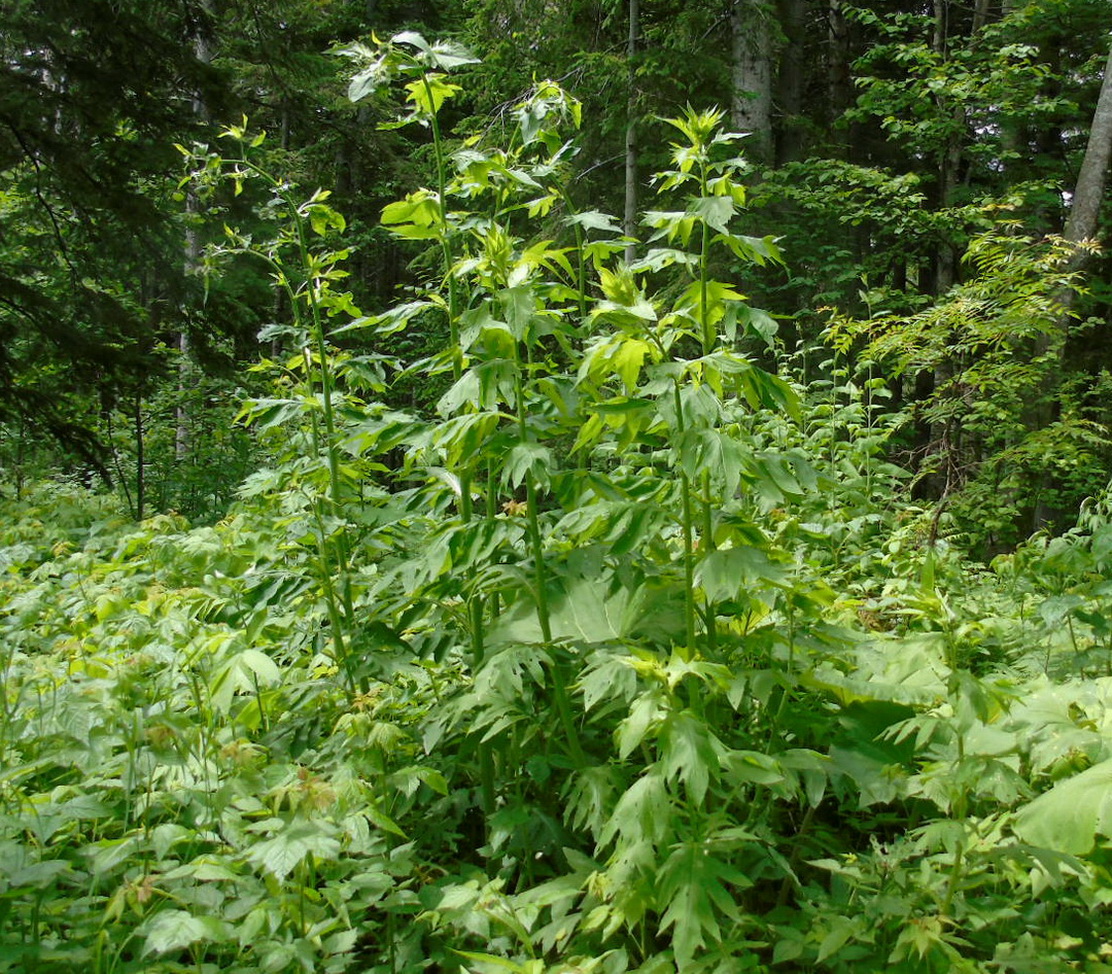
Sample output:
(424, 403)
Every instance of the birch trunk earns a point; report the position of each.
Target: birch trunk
(1089, 191)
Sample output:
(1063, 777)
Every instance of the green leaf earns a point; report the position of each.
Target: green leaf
(595, 220)
(282, 853)
(585, 613)
(643, 813)
(1069, 817)
(365, 83)
(429, 93)
(715, 452)
(502, 963)
(690, 752)
(172, 930)
(841, 929)
(724, 572)
(261, 666)
(670, 225)
(693, 884)
(449, 54)
(715, 211)
(420, 208)
(647, 709)
(527, 459)
(760, 322)
(412, 38)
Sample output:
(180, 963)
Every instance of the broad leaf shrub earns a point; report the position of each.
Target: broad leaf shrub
(624, 656)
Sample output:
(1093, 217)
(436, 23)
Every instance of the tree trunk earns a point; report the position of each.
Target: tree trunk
(940, 26)
(629, 223)
(1081, 225)
(839, 87)
(751, 49)
(789, 82)
(140, 461)
(950, 162)
(1089, 191)
(980, 15)
(202, 51)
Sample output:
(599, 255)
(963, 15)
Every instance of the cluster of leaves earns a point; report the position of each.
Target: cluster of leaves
(622, 660)
(1007, 434)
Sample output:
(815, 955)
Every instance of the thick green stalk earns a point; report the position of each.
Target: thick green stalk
(317, 329)
(335, 617)
(478, 651)
(581, 260)
(688, 537)
(540, 582)
(330, 447)
(709, 335)
(445, 246)
(466, 512)
(956, 869)
(710, 340)
(708, 547)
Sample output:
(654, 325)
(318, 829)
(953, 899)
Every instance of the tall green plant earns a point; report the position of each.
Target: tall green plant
(306, 269)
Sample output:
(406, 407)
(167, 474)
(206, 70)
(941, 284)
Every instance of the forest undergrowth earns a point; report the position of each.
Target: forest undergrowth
(627, 655)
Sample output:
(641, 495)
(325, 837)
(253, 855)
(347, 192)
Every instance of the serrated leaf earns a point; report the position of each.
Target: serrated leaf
(715, 211)
(172, 930)
(527, 459)
(692, 883)
(284, 851)
(628, 359)
(450, 54)
(646, 710)
(1069, 817)
(595, 220)
(643, 813)
(724, 572)
(690, 753)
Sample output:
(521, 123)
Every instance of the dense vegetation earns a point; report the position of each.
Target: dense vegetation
(532, 596)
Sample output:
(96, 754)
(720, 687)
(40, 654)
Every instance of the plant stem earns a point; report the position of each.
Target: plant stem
(445, 246)
(708, 547)
(540, 582)
(688, 537)
(477, 619)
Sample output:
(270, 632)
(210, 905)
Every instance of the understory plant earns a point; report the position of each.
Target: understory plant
(1012, 447)
(619, 657)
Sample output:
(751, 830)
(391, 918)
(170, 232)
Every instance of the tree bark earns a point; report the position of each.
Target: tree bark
(789, 82)
(629, 223)
(980, 15)
(940, 26)
(140, 461)
(1081, 223)
(203, 52)
(751, 50)
(839, 87)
